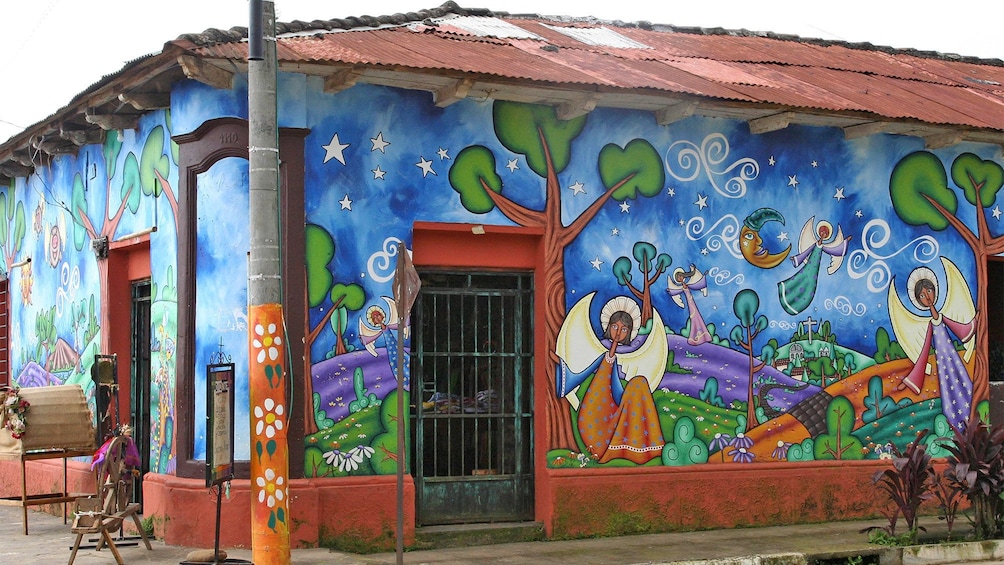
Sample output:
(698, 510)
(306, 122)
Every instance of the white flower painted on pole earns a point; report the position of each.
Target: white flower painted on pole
(267, 342)
(271, 486)
(269, 418)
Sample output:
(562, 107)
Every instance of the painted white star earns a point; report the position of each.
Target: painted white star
(596, 263)
(346, 203)
(615, 231)
(334, 150)
(814, 164)
(839, 194)
(671, 191)
(997, 213)
(512, 165)
(577, 188)
(625, 207)
(443, 154)
(792, 181)
(858, 214)
(378, 173)
(682, 222)
(783, 236)
(704, 251)
(771, 161)
(378, 143)
(702, 201)
(426, 166)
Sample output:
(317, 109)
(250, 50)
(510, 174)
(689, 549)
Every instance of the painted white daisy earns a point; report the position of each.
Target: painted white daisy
(266, 342)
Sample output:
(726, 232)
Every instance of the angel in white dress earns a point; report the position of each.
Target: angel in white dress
(615, 421)
(380, 323)
(682, 286)
(917, 334)
(797, 291)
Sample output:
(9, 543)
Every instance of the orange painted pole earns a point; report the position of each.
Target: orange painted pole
(269, 451)
(267, 358)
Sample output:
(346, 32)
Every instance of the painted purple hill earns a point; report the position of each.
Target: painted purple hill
(333, 379)
(731, 369)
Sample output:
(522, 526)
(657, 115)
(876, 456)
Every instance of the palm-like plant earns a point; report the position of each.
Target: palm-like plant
(976, 469)
(908, 484)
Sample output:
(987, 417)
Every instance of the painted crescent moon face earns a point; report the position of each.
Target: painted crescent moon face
(751, 246)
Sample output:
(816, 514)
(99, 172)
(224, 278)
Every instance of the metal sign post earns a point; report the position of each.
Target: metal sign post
(406, 285)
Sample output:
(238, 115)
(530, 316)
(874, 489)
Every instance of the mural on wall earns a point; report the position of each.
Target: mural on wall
(78, 205)
(712, 295)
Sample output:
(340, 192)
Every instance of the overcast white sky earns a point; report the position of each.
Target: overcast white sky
(51, 50)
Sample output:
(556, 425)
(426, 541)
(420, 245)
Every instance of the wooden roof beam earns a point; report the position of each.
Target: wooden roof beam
(197, 69)
(453, 92)
(943, 139)
(11, 169)
(110, 122)
(53, 145)
(81, 136)
(577, 107)
(771, 123)
(147, 100)
(22, 157)
(342, 79)
(675, 112)
(865, 129)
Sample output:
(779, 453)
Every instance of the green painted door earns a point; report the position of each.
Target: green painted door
(472, 397)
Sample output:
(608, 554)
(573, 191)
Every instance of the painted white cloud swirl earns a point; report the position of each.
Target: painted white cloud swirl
(708, 158)
(871, 265)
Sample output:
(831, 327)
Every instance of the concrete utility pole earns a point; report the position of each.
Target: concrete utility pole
(266, 338)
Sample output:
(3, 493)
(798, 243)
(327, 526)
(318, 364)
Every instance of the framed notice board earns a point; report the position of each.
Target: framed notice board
(219, 423)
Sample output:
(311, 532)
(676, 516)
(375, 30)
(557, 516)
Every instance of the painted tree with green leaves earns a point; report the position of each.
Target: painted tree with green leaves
(745, 306)
(322, 290)
(13, 228)
(91, 225)
(921, 196)
(155, 164)
(651, 264)
(536, 132)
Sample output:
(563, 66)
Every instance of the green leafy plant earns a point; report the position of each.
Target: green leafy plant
(976, 469)
(908, 484)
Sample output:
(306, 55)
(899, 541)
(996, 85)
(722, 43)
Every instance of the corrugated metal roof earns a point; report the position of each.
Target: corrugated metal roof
(598, 36)
(587, 62)
(733, 66)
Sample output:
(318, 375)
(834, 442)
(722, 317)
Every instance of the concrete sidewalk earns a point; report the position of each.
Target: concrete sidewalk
(49, 542)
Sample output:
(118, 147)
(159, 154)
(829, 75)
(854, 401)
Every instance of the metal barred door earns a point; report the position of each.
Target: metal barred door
(472, 375)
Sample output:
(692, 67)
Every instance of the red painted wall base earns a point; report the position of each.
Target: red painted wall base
(352, 514)
(359, 513)
(660, 499)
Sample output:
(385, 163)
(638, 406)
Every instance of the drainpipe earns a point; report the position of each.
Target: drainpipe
(267, 359)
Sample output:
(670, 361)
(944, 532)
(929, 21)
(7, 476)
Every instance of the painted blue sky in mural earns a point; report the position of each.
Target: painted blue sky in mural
(375, 172)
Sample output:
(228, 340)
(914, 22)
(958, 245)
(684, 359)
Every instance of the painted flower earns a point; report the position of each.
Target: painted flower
(266, 342)
(741, 441)
(271, 486)
(361, 452)
(781, 451)
(269, 418)
(721, 440)
(741, 455)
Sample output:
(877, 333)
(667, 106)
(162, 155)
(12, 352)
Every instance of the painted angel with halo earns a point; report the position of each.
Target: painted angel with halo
(918, 334)
(615, 420)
